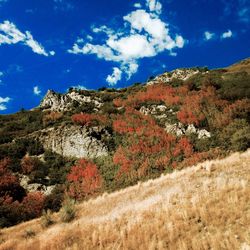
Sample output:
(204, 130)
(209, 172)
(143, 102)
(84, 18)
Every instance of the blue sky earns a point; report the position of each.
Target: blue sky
(56, 44)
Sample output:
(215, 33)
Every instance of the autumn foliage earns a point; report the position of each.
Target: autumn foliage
(27, 164)
(148, 148)
(9, 183)
(15, 205)
(33, 204)
(84, 179)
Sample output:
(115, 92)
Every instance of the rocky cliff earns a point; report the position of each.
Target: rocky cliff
(75, 141)
(64, 102)
(179, 74)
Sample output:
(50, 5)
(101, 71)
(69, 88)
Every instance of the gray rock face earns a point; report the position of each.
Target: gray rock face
(181, 74)
(162, 113)
(34, 187)
(64, 102)
(179, 129)
(75, 141)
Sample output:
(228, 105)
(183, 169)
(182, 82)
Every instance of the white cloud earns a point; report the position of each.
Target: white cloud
(80, 87)
(137, 5)
(115, 77)
(9, 34)
(2, 107)
(154, 6)
(52, 52)
(36, 90)
(143, 35)
(90, 38)
(208, 35)
(34, 45)
(3, 100)
(130, 69)
(227, 34)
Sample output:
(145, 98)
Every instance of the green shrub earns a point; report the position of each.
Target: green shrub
(236, 136)
(68, 210)
(54, 201)
(46, 219)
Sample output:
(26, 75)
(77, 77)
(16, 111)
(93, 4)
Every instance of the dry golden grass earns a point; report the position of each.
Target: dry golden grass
(202, 207)
(240, 66)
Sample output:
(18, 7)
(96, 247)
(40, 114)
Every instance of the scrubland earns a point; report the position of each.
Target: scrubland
(201, 207)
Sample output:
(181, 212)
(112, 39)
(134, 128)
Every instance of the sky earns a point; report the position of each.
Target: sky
(57, 44)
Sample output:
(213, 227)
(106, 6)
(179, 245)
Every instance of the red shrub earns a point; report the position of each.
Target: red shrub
(9, 183)
(27, 164)
(183, 147)
(33, 204)
(84, 179)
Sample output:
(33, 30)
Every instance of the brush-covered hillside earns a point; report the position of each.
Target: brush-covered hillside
(83, 143)
(201, 207)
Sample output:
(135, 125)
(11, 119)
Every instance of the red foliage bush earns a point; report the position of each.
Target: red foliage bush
(27, 164)
(9, 183)
(84, 180)
(32, 205)
(148, 146)
(183, 147)
(158, 92)
(132, 122)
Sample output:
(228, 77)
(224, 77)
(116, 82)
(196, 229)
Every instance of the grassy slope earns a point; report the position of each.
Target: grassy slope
(201, 207)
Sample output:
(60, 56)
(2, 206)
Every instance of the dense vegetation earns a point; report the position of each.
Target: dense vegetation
(218, 101)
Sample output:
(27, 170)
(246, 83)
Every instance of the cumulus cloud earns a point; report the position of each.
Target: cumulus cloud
(52, 52)
(81, 87)
(154, 6)
(3, 101)
(143, 34)
(36, 90)
(137, 5)
(227, 34)
(9, 34)
(208, 35)
(115, 77)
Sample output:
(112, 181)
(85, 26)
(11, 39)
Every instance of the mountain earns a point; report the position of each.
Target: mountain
(242, 66)
(201, 207)
(84, 142)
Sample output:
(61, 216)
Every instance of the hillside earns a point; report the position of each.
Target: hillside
(84, 143)
(202, 207)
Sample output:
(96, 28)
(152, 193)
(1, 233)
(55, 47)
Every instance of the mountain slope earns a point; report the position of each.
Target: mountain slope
(87, 142)
(202, 207)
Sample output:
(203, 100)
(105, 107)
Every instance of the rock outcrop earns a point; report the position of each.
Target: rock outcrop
(179, 129)
(34, 187)
(75, 141)
(180, 74)
(64, 102)
(164, 114)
